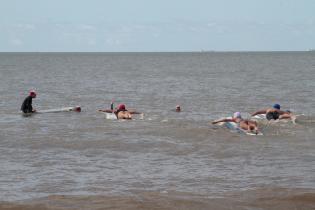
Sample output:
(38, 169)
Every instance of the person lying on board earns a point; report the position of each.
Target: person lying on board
(247, 125)
(275, 113)
(27, 103)
(121, 112)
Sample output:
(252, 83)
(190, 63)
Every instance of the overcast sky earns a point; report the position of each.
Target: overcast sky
(156, 25)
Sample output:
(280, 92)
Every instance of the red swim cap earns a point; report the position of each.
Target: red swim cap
(32, 93)
(122, 107)
(77, 109)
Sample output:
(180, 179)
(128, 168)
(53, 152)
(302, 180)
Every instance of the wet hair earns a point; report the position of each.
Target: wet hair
(272, 115)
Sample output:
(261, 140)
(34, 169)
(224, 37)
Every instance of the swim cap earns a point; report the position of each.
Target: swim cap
(32, 93)
(276, 106)
(121, 107)
(237, 115)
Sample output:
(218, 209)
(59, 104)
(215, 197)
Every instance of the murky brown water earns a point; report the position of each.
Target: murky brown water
(72, 160)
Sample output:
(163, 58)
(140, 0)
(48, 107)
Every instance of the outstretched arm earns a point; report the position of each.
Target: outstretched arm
(106, 110)
(286, 115)
(260, 112)
(284, 112)
(222, 120)
(135, 112)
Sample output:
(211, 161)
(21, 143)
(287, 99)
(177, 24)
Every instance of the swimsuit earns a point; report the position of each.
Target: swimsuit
(119, 110)
(272, 115)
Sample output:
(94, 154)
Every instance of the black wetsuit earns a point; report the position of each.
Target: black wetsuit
(27, 105)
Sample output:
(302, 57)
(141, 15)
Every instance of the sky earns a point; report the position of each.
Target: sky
(156, 25)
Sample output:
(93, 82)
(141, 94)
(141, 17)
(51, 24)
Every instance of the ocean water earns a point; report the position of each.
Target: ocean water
(167, 158)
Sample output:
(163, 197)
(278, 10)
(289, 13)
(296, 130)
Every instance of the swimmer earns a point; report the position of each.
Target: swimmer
(275, 113)
(121, 112)
(248, 125)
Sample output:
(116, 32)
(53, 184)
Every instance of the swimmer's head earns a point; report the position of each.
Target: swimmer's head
(276, 106)
(237, 115)
(121, 107)
(32, 93)
(177, 108)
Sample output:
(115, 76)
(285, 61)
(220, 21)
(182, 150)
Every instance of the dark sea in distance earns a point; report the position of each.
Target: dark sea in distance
(168, 160)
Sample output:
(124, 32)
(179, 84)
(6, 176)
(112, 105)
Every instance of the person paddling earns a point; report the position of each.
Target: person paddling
(248, 125)
(275, 113)
(27, 103)
(121, 112)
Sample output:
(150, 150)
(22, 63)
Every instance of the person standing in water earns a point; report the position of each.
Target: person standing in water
(27, 103)
(112, 106)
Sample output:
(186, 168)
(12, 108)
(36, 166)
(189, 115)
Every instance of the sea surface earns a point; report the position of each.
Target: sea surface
(167, 160)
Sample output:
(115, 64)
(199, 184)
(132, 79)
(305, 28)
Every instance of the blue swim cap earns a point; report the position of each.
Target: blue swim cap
(276, 106)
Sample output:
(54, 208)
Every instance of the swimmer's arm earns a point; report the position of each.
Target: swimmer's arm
(106, 110)
(260, 112)
(135, 112)
(284, 112)
(222, 120)
(286, 115)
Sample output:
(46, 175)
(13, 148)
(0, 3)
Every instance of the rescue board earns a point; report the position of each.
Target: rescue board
(63, 109)
(294, 119)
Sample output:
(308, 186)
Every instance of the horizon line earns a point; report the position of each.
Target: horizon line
(188, 51)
